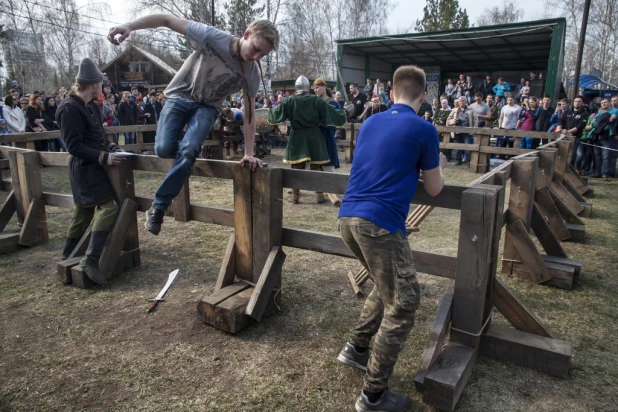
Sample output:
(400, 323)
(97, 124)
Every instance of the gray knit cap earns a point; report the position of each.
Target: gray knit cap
(88, 73)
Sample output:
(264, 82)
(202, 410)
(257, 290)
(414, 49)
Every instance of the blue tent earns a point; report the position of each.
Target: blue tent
(588, 81)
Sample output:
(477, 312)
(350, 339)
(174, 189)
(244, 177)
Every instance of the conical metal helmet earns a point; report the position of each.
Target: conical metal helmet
(302, 85)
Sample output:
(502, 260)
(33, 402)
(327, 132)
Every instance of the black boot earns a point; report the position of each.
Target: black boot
(90, 262)
(69, 246)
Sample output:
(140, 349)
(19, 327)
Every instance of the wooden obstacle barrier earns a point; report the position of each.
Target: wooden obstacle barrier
(249, 283)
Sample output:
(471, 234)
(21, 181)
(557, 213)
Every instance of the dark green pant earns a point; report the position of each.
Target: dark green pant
(104, 219)
(388, 313)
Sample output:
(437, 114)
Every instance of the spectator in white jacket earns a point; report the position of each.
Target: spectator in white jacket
(14, 116)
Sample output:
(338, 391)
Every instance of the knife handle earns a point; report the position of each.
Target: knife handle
(152, 305)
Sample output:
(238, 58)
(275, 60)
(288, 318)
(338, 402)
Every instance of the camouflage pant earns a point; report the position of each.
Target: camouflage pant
(389, 310)
(104, 219)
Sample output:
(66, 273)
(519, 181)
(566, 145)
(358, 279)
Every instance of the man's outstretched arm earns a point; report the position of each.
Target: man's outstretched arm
(147, 22)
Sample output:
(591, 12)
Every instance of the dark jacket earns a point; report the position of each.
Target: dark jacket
(126, 114)
(149, 108)
(81, 127)
(487, 87)
(543, 121)
(575, 119)
(158, 107)
(425, 107)
(602, 129)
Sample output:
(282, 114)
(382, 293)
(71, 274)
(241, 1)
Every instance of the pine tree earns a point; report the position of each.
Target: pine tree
(240, 13)
(442, 15)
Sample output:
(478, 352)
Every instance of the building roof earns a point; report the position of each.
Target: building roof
(154, 59)
(588, 81)
(517, 46)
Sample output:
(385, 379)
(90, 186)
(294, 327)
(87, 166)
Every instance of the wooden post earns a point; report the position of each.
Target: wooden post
(182, 204)
(31, 187)
(521, 201)
(474, 263)
(20, 208)
(479, 162)
(562, 160)
(243, 223)
(545, 175)
(350, 135)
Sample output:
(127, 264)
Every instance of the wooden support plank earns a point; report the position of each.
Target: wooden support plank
(225, 309)
(474, 260)
(536, 267)
(563, 276)
(20, 207)
(578, 232)
(560, 191)
(215, 215)
(126, 261)
(82, 245)
(117, 237)
(516, 312)
(355, 287)
(545, 234)
(269, 280)
(243, 223)
(8, 242)
(64, 269)
(446, 380)
(587, 212)
(575, 180)
(545, 174)
(436, 337)
(547, 208)
(59, 200)
(521, 201)
(29, 231)
(182, 204)
(123, 182)
(54, 158)
(547, 355)
(566, 213)
(29, 170)
(7, 210)
(350, 136)
(426, 262)
(227, 271)
(479, 161)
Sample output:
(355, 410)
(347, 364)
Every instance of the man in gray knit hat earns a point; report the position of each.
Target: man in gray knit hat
(81, 127)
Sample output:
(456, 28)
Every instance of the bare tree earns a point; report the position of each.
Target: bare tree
(508, 13)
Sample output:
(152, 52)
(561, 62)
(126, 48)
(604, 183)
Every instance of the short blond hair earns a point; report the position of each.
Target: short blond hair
(267, 30)
(409, 82)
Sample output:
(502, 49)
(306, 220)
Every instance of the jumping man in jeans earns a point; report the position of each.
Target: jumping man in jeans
(220, 65)
(372, 224)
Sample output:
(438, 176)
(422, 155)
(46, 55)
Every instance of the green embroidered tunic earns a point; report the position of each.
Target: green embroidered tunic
(306, 113)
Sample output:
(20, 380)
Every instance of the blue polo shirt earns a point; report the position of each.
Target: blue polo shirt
(392, 148)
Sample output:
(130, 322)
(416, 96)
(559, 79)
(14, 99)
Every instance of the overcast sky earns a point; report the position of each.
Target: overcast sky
(401, 19)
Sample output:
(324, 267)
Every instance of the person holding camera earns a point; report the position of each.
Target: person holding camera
(527, 121)
(462, 116)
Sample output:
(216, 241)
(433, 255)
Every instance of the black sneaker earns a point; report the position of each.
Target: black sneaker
(154, 219)
(350, 357)
(388, 402)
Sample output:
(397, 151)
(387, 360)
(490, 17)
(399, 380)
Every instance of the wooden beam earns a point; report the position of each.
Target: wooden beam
(82, 245)
(547, 207)
(227, 271)
(126, 261)
(28, 235)
(545, 175)
(117, 237)
(566, 213)
(225, 309)
(474, 260)
(560, 191)
(64, 267)
(54, 158)
(547, 355)
(31, 185)
(436, 337)
(425, 262)
(59, 200)
(536, 267)
(545, 234)
(562, 160)
(563, 276)
(7, 210)
(516, 312)
(446, 380)
(575, 181)
(8, 242)
(587, 212)
(269, 279)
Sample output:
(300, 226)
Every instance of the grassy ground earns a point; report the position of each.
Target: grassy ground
(62, 348)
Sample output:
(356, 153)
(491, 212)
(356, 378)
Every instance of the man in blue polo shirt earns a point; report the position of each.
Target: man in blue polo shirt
(372, 224)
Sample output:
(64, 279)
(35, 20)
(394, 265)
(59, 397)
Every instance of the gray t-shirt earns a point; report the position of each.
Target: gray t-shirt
(510, 116)
(211, 73)
(479, 110)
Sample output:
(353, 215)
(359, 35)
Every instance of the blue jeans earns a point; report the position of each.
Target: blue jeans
(527, 143)
(576, 143)
(170, 144)
(585, 157)
(459, 154)
(602, 157)
(129, 137)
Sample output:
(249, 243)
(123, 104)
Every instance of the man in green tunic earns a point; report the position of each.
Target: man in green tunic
(306, 147)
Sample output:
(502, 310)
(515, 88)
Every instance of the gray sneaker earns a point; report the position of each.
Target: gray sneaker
(388, 402)
(350, 357)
